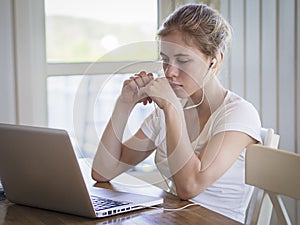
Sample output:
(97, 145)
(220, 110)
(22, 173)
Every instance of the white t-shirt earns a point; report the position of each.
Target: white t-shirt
(229, 195)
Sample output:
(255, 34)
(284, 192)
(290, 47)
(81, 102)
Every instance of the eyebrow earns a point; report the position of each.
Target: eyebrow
(176, 55)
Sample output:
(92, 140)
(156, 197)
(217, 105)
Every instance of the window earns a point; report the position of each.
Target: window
(86, 30)
(91, 48)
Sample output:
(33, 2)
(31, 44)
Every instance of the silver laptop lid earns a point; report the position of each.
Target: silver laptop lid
(38, 167)
(27, 156)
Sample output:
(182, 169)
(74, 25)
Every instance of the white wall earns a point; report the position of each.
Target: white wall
(263, 67)
(7, 79)
(22, 62)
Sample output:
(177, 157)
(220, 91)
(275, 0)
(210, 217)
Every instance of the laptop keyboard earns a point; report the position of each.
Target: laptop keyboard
(104, 203)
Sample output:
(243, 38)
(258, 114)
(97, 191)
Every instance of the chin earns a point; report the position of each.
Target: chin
(181, 93)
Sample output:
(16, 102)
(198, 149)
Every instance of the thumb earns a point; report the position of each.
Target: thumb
(142, 93)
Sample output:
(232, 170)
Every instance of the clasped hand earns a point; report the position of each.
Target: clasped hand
(142, 87)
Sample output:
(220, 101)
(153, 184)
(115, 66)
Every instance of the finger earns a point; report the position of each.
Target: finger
(142, 73)
(146, 100)
(143, 77)
(126, 82)
(132, 84)
(139, 82)
(147, 78)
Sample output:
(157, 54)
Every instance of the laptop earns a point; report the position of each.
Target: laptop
(39, 168)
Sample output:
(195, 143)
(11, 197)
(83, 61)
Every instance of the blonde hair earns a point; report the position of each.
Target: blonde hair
(199, 25)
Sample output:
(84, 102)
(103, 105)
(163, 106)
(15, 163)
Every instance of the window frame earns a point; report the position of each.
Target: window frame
(32, 69)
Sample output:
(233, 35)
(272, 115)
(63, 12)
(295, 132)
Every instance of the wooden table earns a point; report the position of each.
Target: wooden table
(16, 214)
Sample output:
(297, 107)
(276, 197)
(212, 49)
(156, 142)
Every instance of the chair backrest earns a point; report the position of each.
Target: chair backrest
(260, 208)
(276, 172)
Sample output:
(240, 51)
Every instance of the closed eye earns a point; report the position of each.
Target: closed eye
(182, 61)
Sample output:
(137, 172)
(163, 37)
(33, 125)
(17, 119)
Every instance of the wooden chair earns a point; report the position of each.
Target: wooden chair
(276, 172)
(260, 208)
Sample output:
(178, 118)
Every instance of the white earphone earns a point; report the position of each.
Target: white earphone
(213, 63)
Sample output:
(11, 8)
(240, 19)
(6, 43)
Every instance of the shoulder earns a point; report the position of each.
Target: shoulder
(238, 106)
(237, 114)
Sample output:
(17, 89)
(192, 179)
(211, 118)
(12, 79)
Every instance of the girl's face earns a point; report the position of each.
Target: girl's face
(184, 65)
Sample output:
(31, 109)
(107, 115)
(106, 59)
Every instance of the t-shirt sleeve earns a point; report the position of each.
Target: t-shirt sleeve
(153, 126)
(239, 116)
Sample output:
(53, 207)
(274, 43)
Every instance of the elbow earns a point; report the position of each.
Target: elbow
(98, 178)
(184, 195)
(188, 191)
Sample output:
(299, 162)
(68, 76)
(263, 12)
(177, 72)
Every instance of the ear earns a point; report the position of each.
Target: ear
(221, 55)
(217, 59)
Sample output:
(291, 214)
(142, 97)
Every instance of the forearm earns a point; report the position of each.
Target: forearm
(183, 163)
(107, 159)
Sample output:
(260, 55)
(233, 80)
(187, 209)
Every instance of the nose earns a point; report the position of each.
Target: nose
(171, 70)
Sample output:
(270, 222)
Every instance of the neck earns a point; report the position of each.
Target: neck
(214, 94)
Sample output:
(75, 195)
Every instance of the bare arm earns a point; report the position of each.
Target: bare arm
(192, 174)
(114, 157)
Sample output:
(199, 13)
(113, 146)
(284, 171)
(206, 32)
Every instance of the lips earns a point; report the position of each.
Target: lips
(175, 86)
